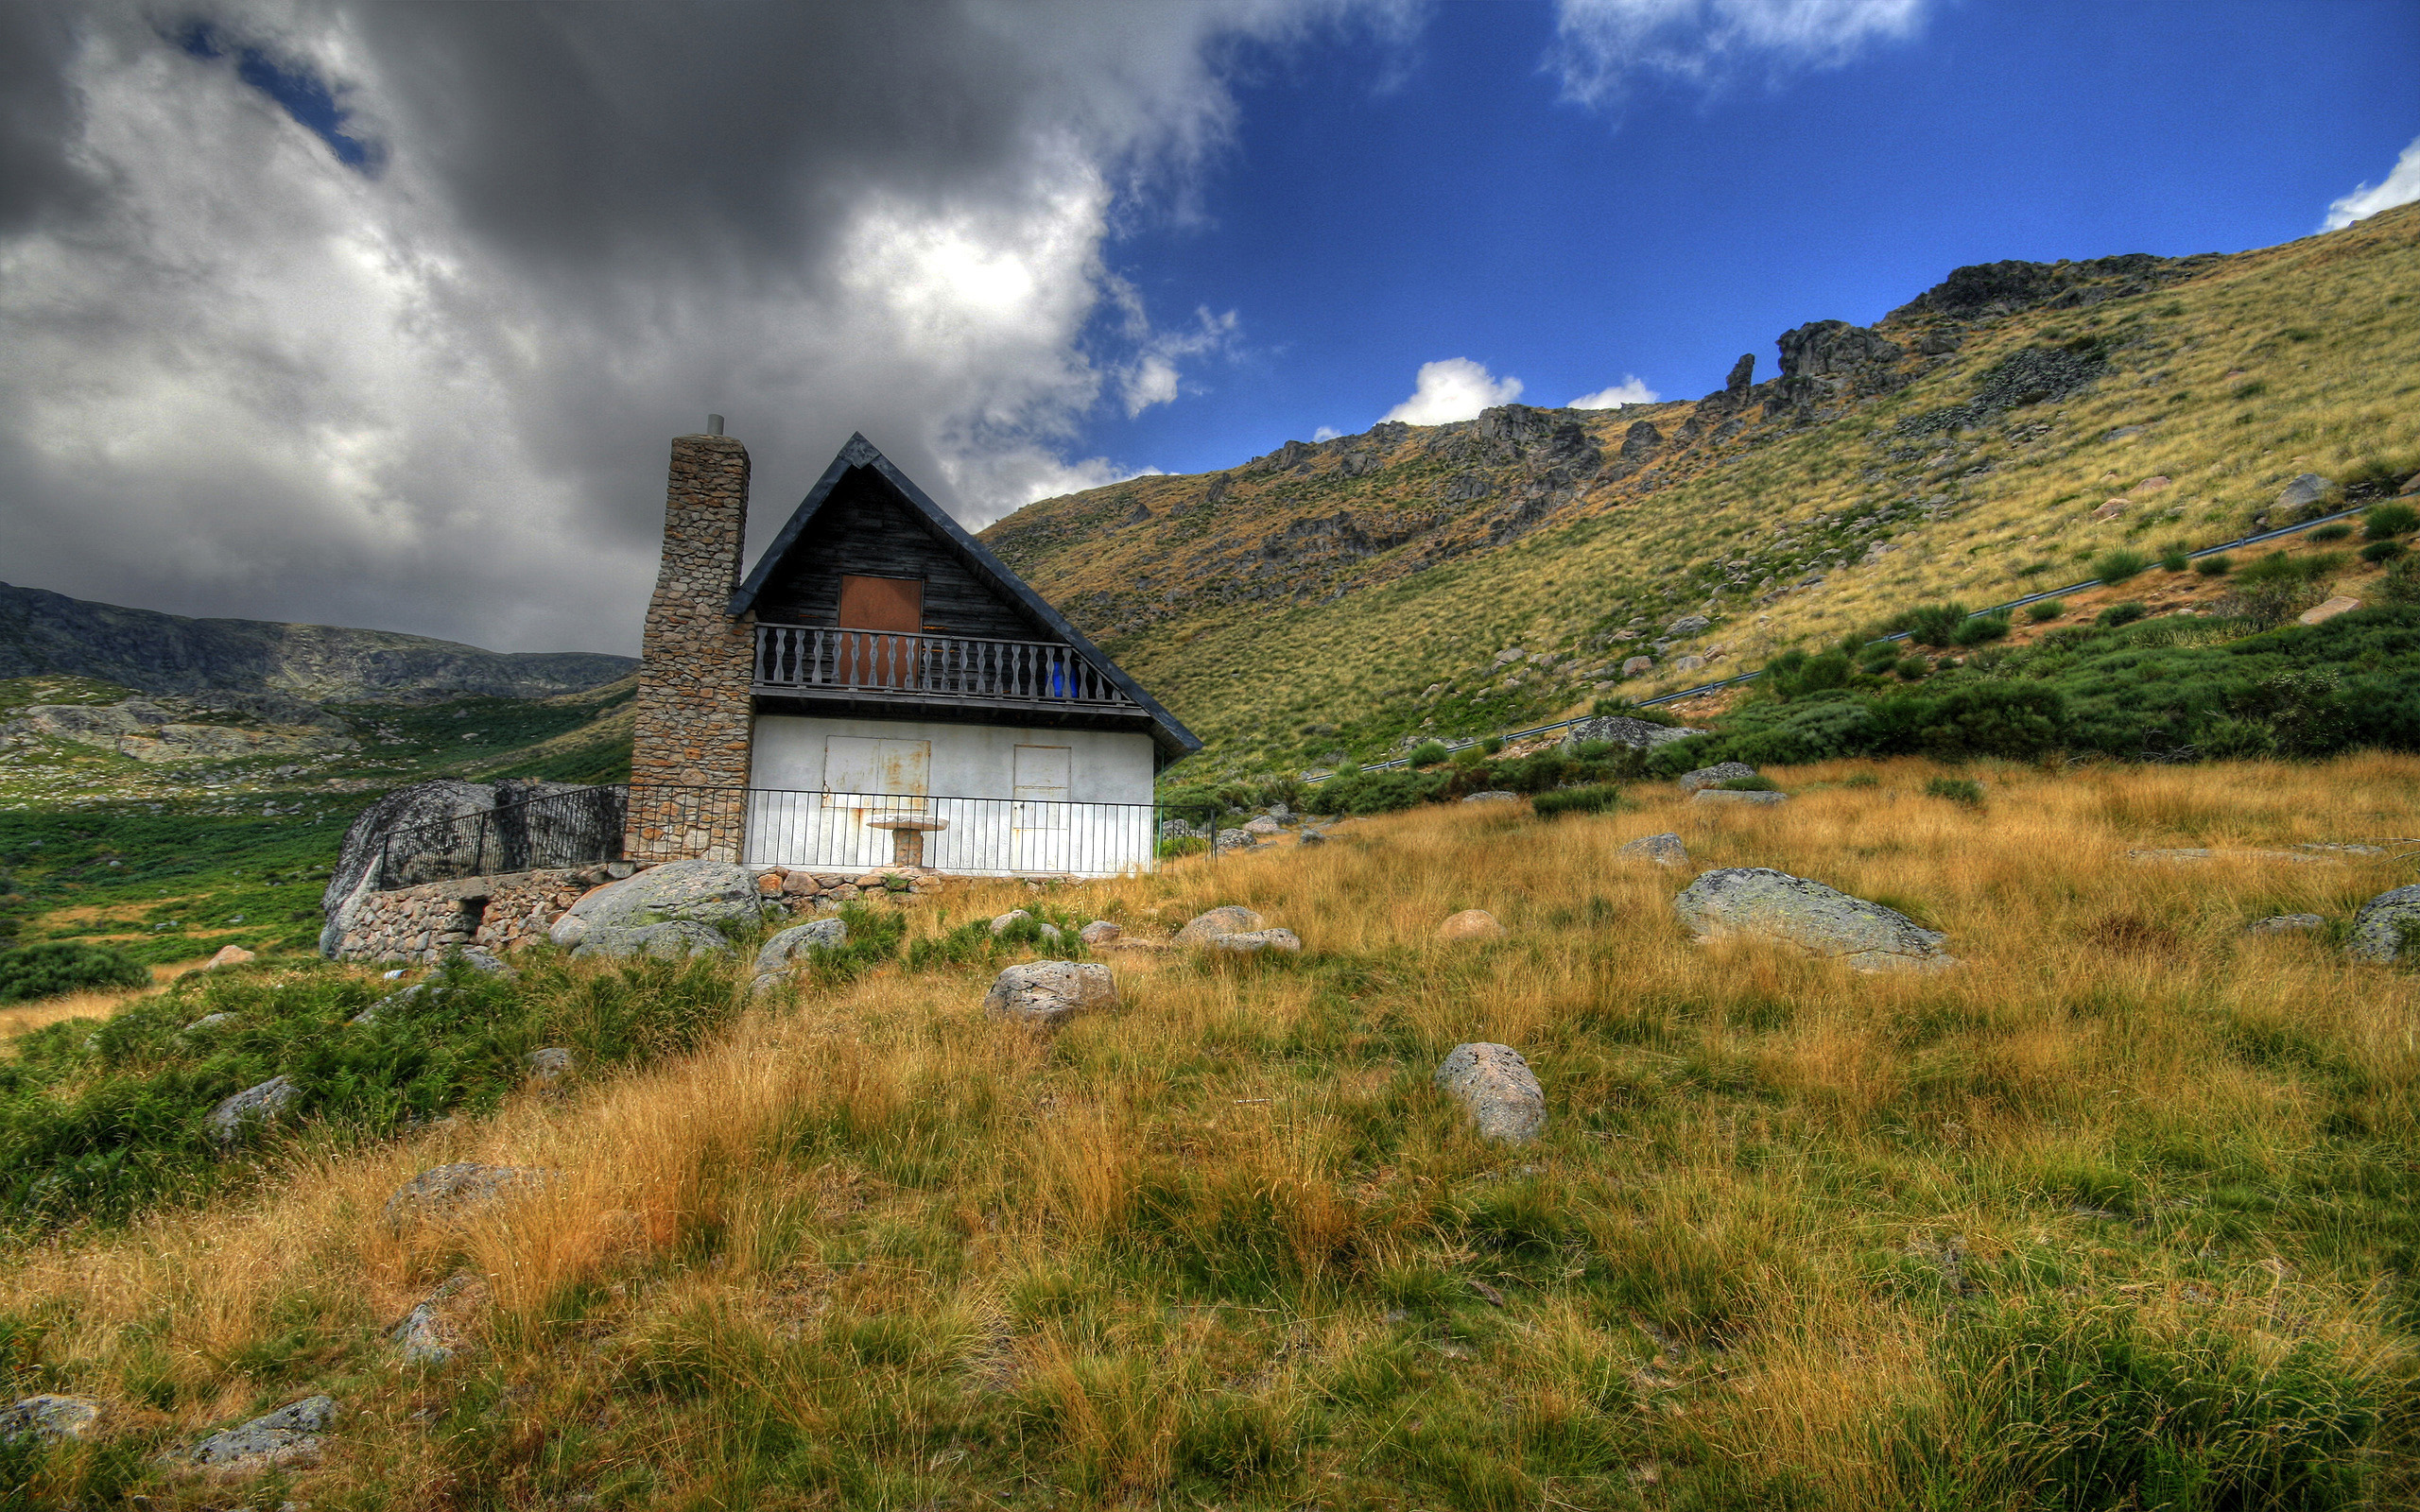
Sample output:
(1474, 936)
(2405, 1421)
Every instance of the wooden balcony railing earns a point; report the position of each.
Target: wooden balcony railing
(930, 667)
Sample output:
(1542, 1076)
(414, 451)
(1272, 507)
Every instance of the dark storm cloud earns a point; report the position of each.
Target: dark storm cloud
(432, 392)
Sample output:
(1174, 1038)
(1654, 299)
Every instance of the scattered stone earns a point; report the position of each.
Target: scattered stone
(438, 1328)
(1717, 797)
(1687, 624)
(229, 955)
(2110, 510)
(2380, 929)
(1470, 923)
(1236, 840)
(1263, 825)
(1688, 663)
(252, 1107)
(1311, 837)
(550, 1065)
(1492, 795)
(768, 885)
(2320, 614)
(50, 1419)
(2285, 924)
(1001, 923)
(1638, 734)
(1229, 920)
(1099, 932)
(1498, 1087)
(483, 962)
(2151, 485)
(2124, 433)
(671, 940)
(453, 1189)
(1253, 941)
(1664, 849)
(2306, 489)
(210, 1021)
(1819, 920)
(1638, 666)
(787, 946)
(397, 1001)
(1050, 993)
(286, 1438)
(1710, 776)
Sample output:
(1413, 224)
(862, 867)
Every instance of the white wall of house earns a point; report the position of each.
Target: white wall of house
(988, 799)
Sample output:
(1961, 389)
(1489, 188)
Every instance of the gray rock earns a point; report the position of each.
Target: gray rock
(550, 1065)
(434, 1332)
(396, 1002)
(1687, 664)
(1492, 795)
(1834, 348)
(483, 963)
(1253, 941)
(457, 1187)
(1229, 918)
(2380, 927)
(1263, 825)
(1099, 932)
(1664, 849)
(1004, 921)
(1819, 920)
(1638, 734)
(50, 1419)
(1638, 666)
(2285, 924)
(1687, 624)
(1497, 1088)
(671, 940)
(697, 892)
(2124, 433)
(1312, 837)
(1710, 776)
(210, 1021)
(787, 946)
(286, 1437)
(2306, 489)
(1640, 441)
(425, 819)
(1050, 993)
(252, 1107)
(1716, 797)
(1236, 840)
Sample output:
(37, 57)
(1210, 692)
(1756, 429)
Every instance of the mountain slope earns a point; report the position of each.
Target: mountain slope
(1335, 597)
(46, 634)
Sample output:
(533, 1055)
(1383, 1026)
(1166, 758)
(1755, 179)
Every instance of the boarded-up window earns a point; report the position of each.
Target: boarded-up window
(1041, 773)
(881, 776)
(881, 604)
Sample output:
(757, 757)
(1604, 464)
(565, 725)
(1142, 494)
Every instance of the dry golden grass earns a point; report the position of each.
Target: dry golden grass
(1220, 1247)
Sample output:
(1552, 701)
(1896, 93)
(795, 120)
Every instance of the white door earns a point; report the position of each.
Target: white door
(1041, 814)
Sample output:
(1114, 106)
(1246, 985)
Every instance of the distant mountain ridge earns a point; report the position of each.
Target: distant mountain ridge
(42, 633)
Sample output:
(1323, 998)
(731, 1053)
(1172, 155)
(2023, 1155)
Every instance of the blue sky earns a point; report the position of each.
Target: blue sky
(1461, 208)
(382, 314)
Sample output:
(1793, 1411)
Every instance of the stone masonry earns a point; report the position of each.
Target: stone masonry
(689, 754)
(418, 925)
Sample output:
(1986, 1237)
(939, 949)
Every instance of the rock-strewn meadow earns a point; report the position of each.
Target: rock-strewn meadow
(2117, 1212)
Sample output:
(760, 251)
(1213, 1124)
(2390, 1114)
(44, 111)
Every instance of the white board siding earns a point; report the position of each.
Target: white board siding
(813, 809)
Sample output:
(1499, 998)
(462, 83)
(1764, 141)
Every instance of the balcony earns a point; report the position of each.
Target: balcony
(873, 666)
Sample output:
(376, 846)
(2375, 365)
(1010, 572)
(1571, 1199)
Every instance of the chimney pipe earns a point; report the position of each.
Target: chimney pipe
(714, 424)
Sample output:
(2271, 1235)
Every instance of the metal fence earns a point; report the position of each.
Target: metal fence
(575, 827)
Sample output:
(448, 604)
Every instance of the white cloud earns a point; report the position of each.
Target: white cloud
(1600, 43)
(1325, 433)
(1630, 390)
(1454, 388)
(2401, 187)
(436, 398)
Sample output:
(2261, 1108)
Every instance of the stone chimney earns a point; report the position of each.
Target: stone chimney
(689, 753)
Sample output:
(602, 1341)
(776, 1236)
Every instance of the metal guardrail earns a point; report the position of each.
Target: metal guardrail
(574, 828)
(940, 666)
(1509, 736)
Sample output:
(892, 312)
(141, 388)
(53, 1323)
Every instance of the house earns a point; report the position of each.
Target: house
(879, 691)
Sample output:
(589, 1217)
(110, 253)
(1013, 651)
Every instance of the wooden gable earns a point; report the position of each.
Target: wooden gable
(864, 529)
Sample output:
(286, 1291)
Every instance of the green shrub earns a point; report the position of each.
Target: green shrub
(1980, 629)
(1758, 784)
(2126, 613)
(2401, 584)
(1794, 674)
(1911, 669)
(57, 967)
(2116, 565)
(2379, 551)
(1625, 709)
(1878, 657)
(1429, 753)
(1861, 779)
(1597, 798)
(2336, 531)
(2217, 566)
(1492, 746)
(2384, 520)
(1933, 624)
(1956, 789)
(1376, 792)
(2174, 560)
(2049, 609)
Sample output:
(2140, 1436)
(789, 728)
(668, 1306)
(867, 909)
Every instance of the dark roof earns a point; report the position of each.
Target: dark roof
(861, 459)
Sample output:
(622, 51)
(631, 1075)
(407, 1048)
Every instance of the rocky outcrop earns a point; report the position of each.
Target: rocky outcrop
(48, 1417)
(1768, 904)
(252, 1108)
(703, 892)
(44, 633)
(1980, 290)
(1706, 777)
(284, 1439)
(1049, 993)
(1497, 1089)
(440, 1327)
(176, 730)
(2388, 927)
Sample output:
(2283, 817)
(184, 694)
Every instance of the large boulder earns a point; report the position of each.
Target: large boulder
(698, 892)
(787, 946)
(1710, 776)
(50, 1419)
(286, 1438)
(1638, 734)
(1497, 1088)
(250, 1108)
(1229, 918)
(1757, 901)
(672, 940)
(2385, 924)
(2308, 489)
(1050, 993)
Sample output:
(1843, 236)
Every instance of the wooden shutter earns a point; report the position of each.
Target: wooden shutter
(894, 604)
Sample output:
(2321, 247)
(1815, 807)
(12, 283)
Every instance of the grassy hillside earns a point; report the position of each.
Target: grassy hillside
(2120, 1213)
(1332, 599)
